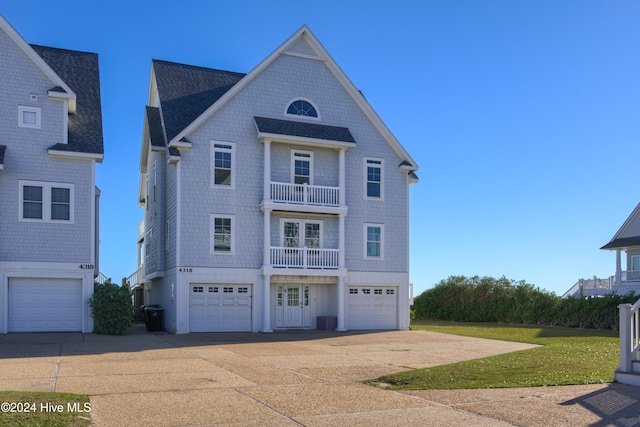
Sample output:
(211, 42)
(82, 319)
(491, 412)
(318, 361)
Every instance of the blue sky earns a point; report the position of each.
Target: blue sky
(524, 116)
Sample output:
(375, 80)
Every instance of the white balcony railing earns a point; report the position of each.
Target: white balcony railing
(305, 194)
(311, 258)
(630, 276)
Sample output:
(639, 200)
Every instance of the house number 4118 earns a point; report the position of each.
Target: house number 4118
(87, 266)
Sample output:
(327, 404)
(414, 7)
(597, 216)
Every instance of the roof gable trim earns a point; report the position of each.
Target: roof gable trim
(38, 61)
(322, 54)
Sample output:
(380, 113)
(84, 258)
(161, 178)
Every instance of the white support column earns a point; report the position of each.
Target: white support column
(267, 171)
(266, 306)
(341, 177)
(618, 272)
(341, 241)
(266, 262)
(341, 305)
(625, 338)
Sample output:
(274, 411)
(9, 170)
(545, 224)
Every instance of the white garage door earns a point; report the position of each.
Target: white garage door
(372, 307)
(45, 305)
(219, 308)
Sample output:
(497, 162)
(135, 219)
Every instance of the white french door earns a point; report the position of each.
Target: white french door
(294, 303)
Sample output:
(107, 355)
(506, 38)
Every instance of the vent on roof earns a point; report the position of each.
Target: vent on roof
(34, 97)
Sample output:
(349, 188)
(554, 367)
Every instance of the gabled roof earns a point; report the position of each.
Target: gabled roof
(80, 71)
(57, 81)
(186, 91)
(626, 236)
(304, 130)
(191, 114)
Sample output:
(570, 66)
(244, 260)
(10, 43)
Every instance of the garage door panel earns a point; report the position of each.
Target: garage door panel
(220, 308)
(372, 308)
(45, 305)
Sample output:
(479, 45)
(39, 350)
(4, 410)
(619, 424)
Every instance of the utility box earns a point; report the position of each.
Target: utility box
(326, 323)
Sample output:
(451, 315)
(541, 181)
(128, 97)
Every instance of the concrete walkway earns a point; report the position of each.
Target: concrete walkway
(293, 378)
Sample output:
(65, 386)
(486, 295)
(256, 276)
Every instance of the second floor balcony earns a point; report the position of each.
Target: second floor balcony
(304, 258)
(305, 194)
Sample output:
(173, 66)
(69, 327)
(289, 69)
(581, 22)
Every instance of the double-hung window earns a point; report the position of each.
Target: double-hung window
(374, 241)
(373, 178)
(223, 232)
(302, 167)
(223, 160)
(46, 201)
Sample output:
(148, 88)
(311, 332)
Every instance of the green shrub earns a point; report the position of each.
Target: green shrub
(486, 299)
(112, 309)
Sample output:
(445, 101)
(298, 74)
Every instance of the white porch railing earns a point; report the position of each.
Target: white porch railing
(305, 194)
(629, 337)
(630, 276)
(311, 258)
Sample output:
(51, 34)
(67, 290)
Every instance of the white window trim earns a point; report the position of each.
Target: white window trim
(46, 201)
(364, 235)
(631, 261)
(22, 109)
(366, 177)
(300, 98)
(302, 223)
(212, 220)
(293, 164)
(231, 150)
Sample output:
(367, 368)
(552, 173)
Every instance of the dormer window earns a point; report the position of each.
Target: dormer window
(302, 107)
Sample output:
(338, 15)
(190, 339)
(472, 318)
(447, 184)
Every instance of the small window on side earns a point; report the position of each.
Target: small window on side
(29, 117)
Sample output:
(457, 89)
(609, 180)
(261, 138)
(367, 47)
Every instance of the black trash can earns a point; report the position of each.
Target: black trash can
(153, 317)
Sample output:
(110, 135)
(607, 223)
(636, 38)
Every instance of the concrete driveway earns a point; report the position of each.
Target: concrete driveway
(293, 378)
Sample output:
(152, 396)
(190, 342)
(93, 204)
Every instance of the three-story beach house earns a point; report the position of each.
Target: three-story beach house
(276, 199)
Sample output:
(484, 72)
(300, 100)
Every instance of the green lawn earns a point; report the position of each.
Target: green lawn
(41, 409)
(567, 356)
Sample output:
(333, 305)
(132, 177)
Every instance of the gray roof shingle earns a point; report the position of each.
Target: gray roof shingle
(186, 91)
(305, 130)
(80, 71)
(622, 242)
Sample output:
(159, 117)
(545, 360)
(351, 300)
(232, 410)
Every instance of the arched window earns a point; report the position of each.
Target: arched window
(301, 107)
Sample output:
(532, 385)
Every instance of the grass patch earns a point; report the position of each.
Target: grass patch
(567, 356)
(31, 409)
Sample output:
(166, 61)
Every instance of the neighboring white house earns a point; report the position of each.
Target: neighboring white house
(627, 240)
(276, 199)
(627, 273)
(50, 142)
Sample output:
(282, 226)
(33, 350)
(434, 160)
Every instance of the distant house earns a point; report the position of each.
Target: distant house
(627, 240)
(276, 199)
(50, 142)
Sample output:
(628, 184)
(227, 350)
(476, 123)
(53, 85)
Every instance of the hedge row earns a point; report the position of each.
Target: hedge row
(486, 299)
